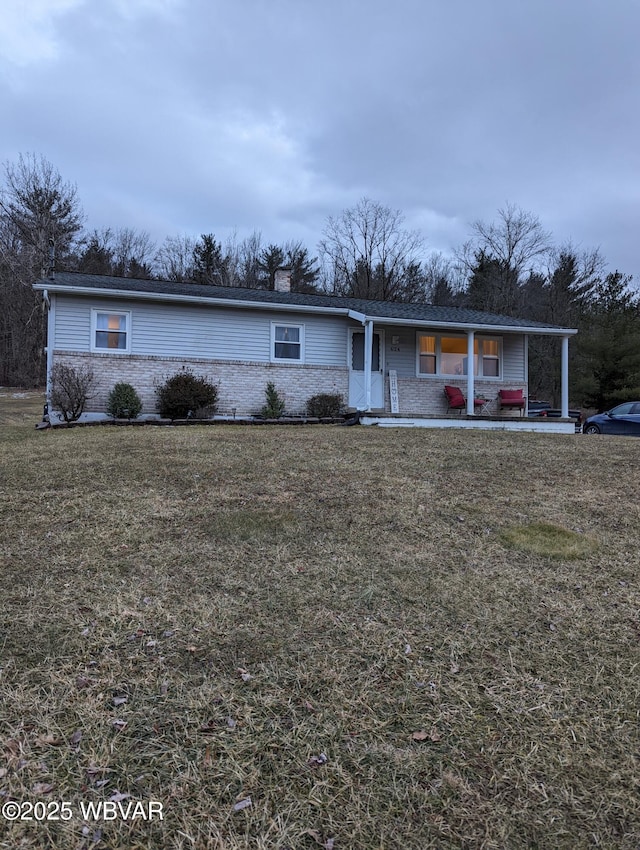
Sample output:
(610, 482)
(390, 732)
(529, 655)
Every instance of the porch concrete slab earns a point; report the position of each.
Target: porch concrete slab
(556, 426)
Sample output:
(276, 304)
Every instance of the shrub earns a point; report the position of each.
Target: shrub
(124, 402)
(71, 389)
(325, 404)
(274, 408)
(185, 394)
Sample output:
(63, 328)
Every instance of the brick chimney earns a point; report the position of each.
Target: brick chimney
(282, 280)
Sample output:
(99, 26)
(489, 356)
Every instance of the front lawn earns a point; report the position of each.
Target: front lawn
(347, 638)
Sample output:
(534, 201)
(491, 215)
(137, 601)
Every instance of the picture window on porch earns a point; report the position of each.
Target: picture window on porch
(287, 342)
(110, 331)
(447, 356)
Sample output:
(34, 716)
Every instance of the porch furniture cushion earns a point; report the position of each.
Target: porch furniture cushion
(512, 399)
(455, 399)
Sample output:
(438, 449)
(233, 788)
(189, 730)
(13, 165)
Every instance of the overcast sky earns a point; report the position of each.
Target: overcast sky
(182, 117)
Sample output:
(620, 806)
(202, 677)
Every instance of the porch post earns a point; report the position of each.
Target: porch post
(368, 346)
(564, 378)
(470, 375)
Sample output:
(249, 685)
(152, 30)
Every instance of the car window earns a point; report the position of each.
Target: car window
(636, 407)
(622, 409)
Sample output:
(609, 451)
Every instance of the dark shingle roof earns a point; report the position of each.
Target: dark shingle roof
(414, 312)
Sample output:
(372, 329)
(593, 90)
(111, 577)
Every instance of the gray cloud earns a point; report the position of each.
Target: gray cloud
(191, 116)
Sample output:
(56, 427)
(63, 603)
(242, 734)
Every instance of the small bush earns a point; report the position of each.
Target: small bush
(185, 394)
(325, 404)
(71, 389)
(274, 408)
(124, 402)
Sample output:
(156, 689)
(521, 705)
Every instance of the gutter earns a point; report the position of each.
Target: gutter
(473, 326)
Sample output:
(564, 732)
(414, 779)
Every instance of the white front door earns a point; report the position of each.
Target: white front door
(357, 390)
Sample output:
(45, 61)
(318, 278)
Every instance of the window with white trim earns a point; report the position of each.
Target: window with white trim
(111, 331)
(287, 342)
(446, 355)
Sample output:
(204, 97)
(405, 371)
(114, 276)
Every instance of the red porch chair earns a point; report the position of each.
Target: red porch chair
(457, 401)
(513, 399)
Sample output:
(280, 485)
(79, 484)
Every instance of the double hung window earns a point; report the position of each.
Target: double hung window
(110, 331)
(287, 342)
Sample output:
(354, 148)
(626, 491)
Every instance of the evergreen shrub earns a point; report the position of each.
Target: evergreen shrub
(184, 394)
(124, 402)
(274, 407)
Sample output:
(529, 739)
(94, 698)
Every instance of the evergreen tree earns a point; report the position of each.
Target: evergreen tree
(96, 257)
(208, 266)
(560, 298)
(608, 347)
(40, 219)
(270, 260)
(304, 269)
(493, 286)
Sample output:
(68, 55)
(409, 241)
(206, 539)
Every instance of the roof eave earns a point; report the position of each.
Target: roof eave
(52, 287)
(188, 299)
(467, 326)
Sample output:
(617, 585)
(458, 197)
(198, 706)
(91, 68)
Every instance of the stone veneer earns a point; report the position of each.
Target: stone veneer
(241, 384)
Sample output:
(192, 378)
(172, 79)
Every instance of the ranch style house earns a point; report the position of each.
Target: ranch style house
(384, 358)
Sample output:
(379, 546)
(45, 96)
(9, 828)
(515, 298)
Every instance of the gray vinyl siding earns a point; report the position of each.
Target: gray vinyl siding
(513, 359)
(403, 358)
(190, 331)
(177, 330)
(72, 325)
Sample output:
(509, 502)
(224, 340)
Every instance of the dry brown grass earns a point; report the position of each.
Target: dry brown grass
(20, 407)
(232, 613)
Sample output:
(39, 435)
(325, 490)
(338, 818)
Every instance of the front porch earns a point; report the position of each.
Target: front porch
(398, 374)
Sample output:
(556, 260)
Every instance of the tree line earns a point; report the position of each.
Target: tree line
(508, 266)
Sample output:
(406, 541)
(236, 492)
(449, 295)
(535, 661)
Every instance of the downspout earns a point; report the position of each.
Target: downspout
(525, 341)
(368, 346)
(50, 303)
(470, 377)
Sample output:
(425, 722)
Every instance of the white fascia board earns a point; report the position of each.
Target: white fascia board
(192, 299)
(463, 327)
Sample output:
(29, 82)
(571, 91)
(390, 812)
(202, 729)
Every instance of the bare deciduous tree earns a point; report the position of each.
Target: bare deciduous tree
(443, 282)
(133, 252)
(499, 255)
(367, 252)
(124, 252)
(174, 258)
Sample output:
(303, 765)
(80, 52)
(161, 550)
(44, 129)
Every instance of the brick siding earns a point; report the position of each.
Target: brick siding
(241, 384)
(426, 395)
